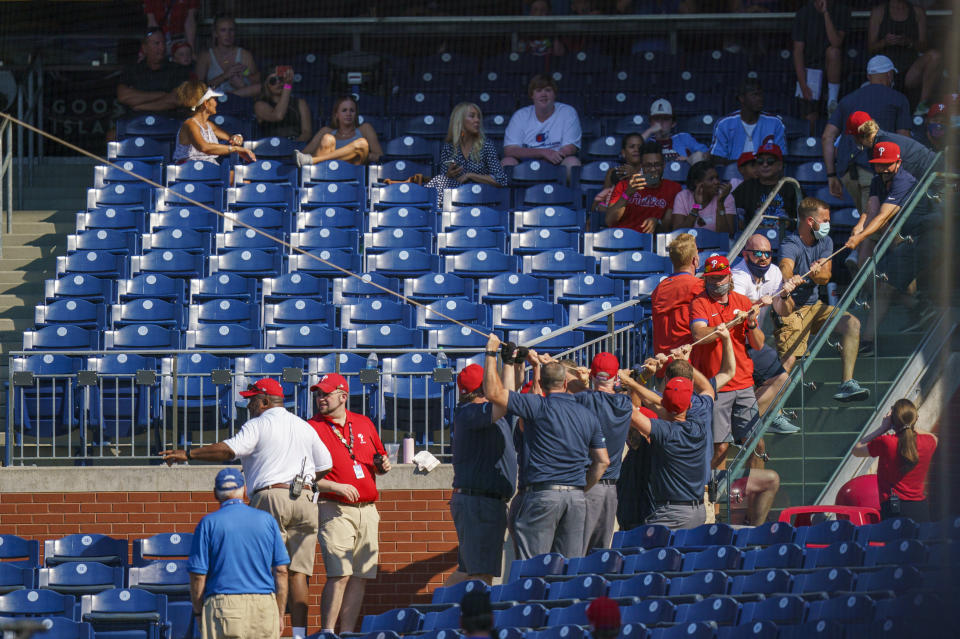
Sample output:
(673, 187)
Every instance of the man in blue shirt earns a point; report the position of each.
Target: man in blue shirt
(676, 146)
(563, 455)
(238, 567)
(484, 477)
(747, 129)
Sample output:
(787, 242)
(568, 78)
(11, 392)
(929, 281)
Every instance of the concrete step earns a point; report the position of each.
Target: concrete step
(822, 394)
(15, 323)
(31, 253)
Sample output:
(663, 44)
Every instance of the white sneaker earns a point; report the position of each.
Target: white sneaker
(302, 159)
(851, 391)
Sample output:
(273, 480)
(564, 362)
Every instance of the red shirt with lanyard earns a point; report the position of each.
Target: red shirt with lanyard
(352, 447)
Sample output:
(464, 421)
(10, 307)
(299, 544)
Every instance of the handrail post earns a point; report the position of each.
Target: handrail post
(9, 176)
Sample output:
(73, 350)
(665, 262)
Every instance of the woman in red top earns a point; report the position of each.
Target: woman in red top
(904, 461)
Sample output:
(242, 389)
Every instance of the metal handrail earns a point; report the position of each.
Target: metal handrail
(32, 114)
(736, 468)
(6, 175)
(754, 224)
(610, 312)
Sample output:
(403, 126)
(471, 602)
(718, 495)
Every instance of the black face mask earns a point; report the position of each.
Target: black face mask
(756, 270)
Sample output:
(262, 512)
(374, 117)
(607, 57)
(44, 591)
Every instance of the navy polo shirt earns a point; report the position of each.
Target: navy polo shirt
(237, 547)
(702, 411)
(484, 455)
(613, 411)
(677, 455)
(558, 434)
(795, 249)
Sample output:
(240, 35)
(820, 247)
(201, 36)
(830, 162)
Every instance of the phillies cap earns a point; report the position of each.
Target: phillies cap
(745, 158)
(331, 382)
(228, 479)
(936, 109)
(676, 394)
(470, 378)
(770, 149)
(603, 613)
(661, 107)
(604, 366)
(880, 64)
(265, 386)
(856, 120)
(885, 153)
(717, 265)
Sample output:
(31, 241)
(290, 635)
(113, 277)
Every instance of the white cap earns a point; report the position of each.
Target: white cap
(880, 64)
(661, 107)
(206, 96)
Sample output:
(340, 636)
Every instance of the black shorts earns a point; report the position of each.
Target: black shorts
(766, 364)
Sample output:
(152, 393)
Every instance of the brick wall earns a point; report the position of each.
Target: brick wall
(418, 545)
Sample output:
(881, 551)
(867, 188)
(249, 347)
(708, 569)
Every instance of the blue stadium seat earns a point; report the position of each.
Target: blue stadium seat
(104, 175)
(520, 616)
(530, 172)
(706, 240)
(332, 171)
(114, 409)
(331, 194)
(570, 631)
(79, 286)
(139, 148)
(838, 205)
(520, 314)
(650, 613)
(653, 560)
(558, 263)
(189, 194)
(133, 197)
(144, 310)
(36, 603)
(700, 127)
(379, 310)
(367, 285)
(631, 315)
(325, 262)
(410, 149)
(808, 147)
(507, 287)
(455, 337)
(495, 125)
(651, 584)
(327, 238)
(406, 194)
(776, 556)
(222, 336)
(822, 628)
(776, 532)
(912, 606)
(125, 609)
(403, 379)
(265, 171)
(182, 240)
(401, 620)
(645, 286)
(172, 263)
(47, 406)
(185, 217)
(454, 594)
(275, 365)
(646, 536)
(274, 148)
(520, 589)
(691, 630)
(841, 553)
(574, 614)
(887, 530)
(222, 286)
(628, 124)
(538, 566)
(85, 547)
(412, 103)
(460, 309)
(545, 239)
(630, 264)
(448, 619)
(245, 238)
(481, 263)
(223, 311)
(246, 263)
(111, 217)
(429, 127)
(761, 582)
(556, 217)
(600, 562)
(634, 631)
(495, 102)
(264, 218)
(584, 586)
(431, 287)
(550, 343)
(102, 264)
(822, 582)
(329, 217)
(615, 241)
(755, 630)
(70, 312)
(783, 609)
(396, 239)
(897, 553)
(550, 195)
(890, 579)
(161, 546)
(403, 262)
(473, 217)
(713, 558)
(168, 577)
(399, 170)
(945, 529)
(403, 217)
(467, 239)
(384, 336)
(846, 609)
(810, 175)
(705, 582)
(263, 194)
(155, 127)
(141, 336)
(676, 171)
(63, 628)
(80, 577)
(197, 396)
(60, 338)
(18, 551)
(198, 172)
(607, 147)
(584, 287)
(303, 336)
(297, 311)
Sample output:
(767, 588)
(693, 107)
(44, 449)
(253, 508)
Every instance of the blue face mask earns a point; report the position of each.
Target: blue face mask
(823, 231)
(756, 270)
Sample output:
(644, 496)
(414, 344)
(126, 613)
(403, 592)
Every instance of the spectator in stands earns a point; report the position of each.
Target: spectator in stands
(898, 30)
(238, 567)
(746, 167)
(819, 28)
(706, 202)
(676, 146)
(176, 19)
(344, 138)
(199, 138)
(808, 251)
(181, 53)
(846, 165)
(746, 129)
(279, 113)
(563, 456)
(467, 155)
(476, 614)
(150, 85)
(670, 301)
(542, 45)
(644, 200)
(735, 412)
(225, 66)
(904, 462)
(349, 522)
(632, 156)
(603, 614)
(546, 130)
(680, 440)
(938, 120)
(484, 477)
(275, 445)
(751, 194)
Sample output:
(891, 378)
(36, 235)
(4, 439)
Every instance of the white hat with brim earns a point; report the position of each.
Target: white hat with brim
(880, 64)
(206, 96)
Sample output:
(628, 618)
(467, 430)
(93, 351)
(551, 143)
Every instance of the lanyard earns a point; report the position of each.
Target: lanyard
(348, 446)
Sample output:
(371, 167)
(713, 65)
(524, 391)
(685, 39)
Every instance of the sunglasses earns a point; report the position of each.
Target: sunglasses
(767, 161)
(762, 254)
(251, 387)
(273, 80)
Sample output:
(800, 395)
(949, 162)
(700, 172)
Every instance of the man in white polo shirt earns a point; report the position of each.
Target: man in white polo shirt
(273, 445)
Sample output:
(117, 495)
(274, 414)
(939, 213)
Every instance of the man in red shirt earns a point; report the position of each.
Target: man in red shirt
(670, 301)
(735, 411)
(644, 201)
(348, 517)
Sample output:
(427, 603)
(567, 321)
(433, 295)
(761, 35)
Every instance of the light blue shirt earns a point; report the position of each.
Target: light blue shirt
(729, 135)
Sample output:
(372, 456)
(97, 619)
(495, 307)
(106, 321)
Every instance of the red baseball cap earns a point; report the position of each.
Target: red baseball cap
(603, 613)
(770, 149)
(885, 153)
(717, 265)
(676, 394)
(936, 109)
(331, 382)
(856, 120)
(265, 386)
(745, 158)
(605, 364)
(470, 378)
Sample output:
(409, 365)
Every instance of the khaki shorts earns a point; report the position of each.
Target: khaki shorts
(240, 617)
(796, 328)
(298, 524)
(349, 539)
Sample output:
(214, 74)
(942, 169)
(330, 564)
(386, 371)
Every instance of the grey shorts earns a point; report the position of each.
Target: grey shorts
(481, 523)
(734, 415)
(677, 516)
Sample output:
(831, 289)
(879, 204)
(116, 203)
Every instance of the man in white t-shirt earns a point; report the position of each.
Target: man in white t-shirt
(545, 130)
(273, 445)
